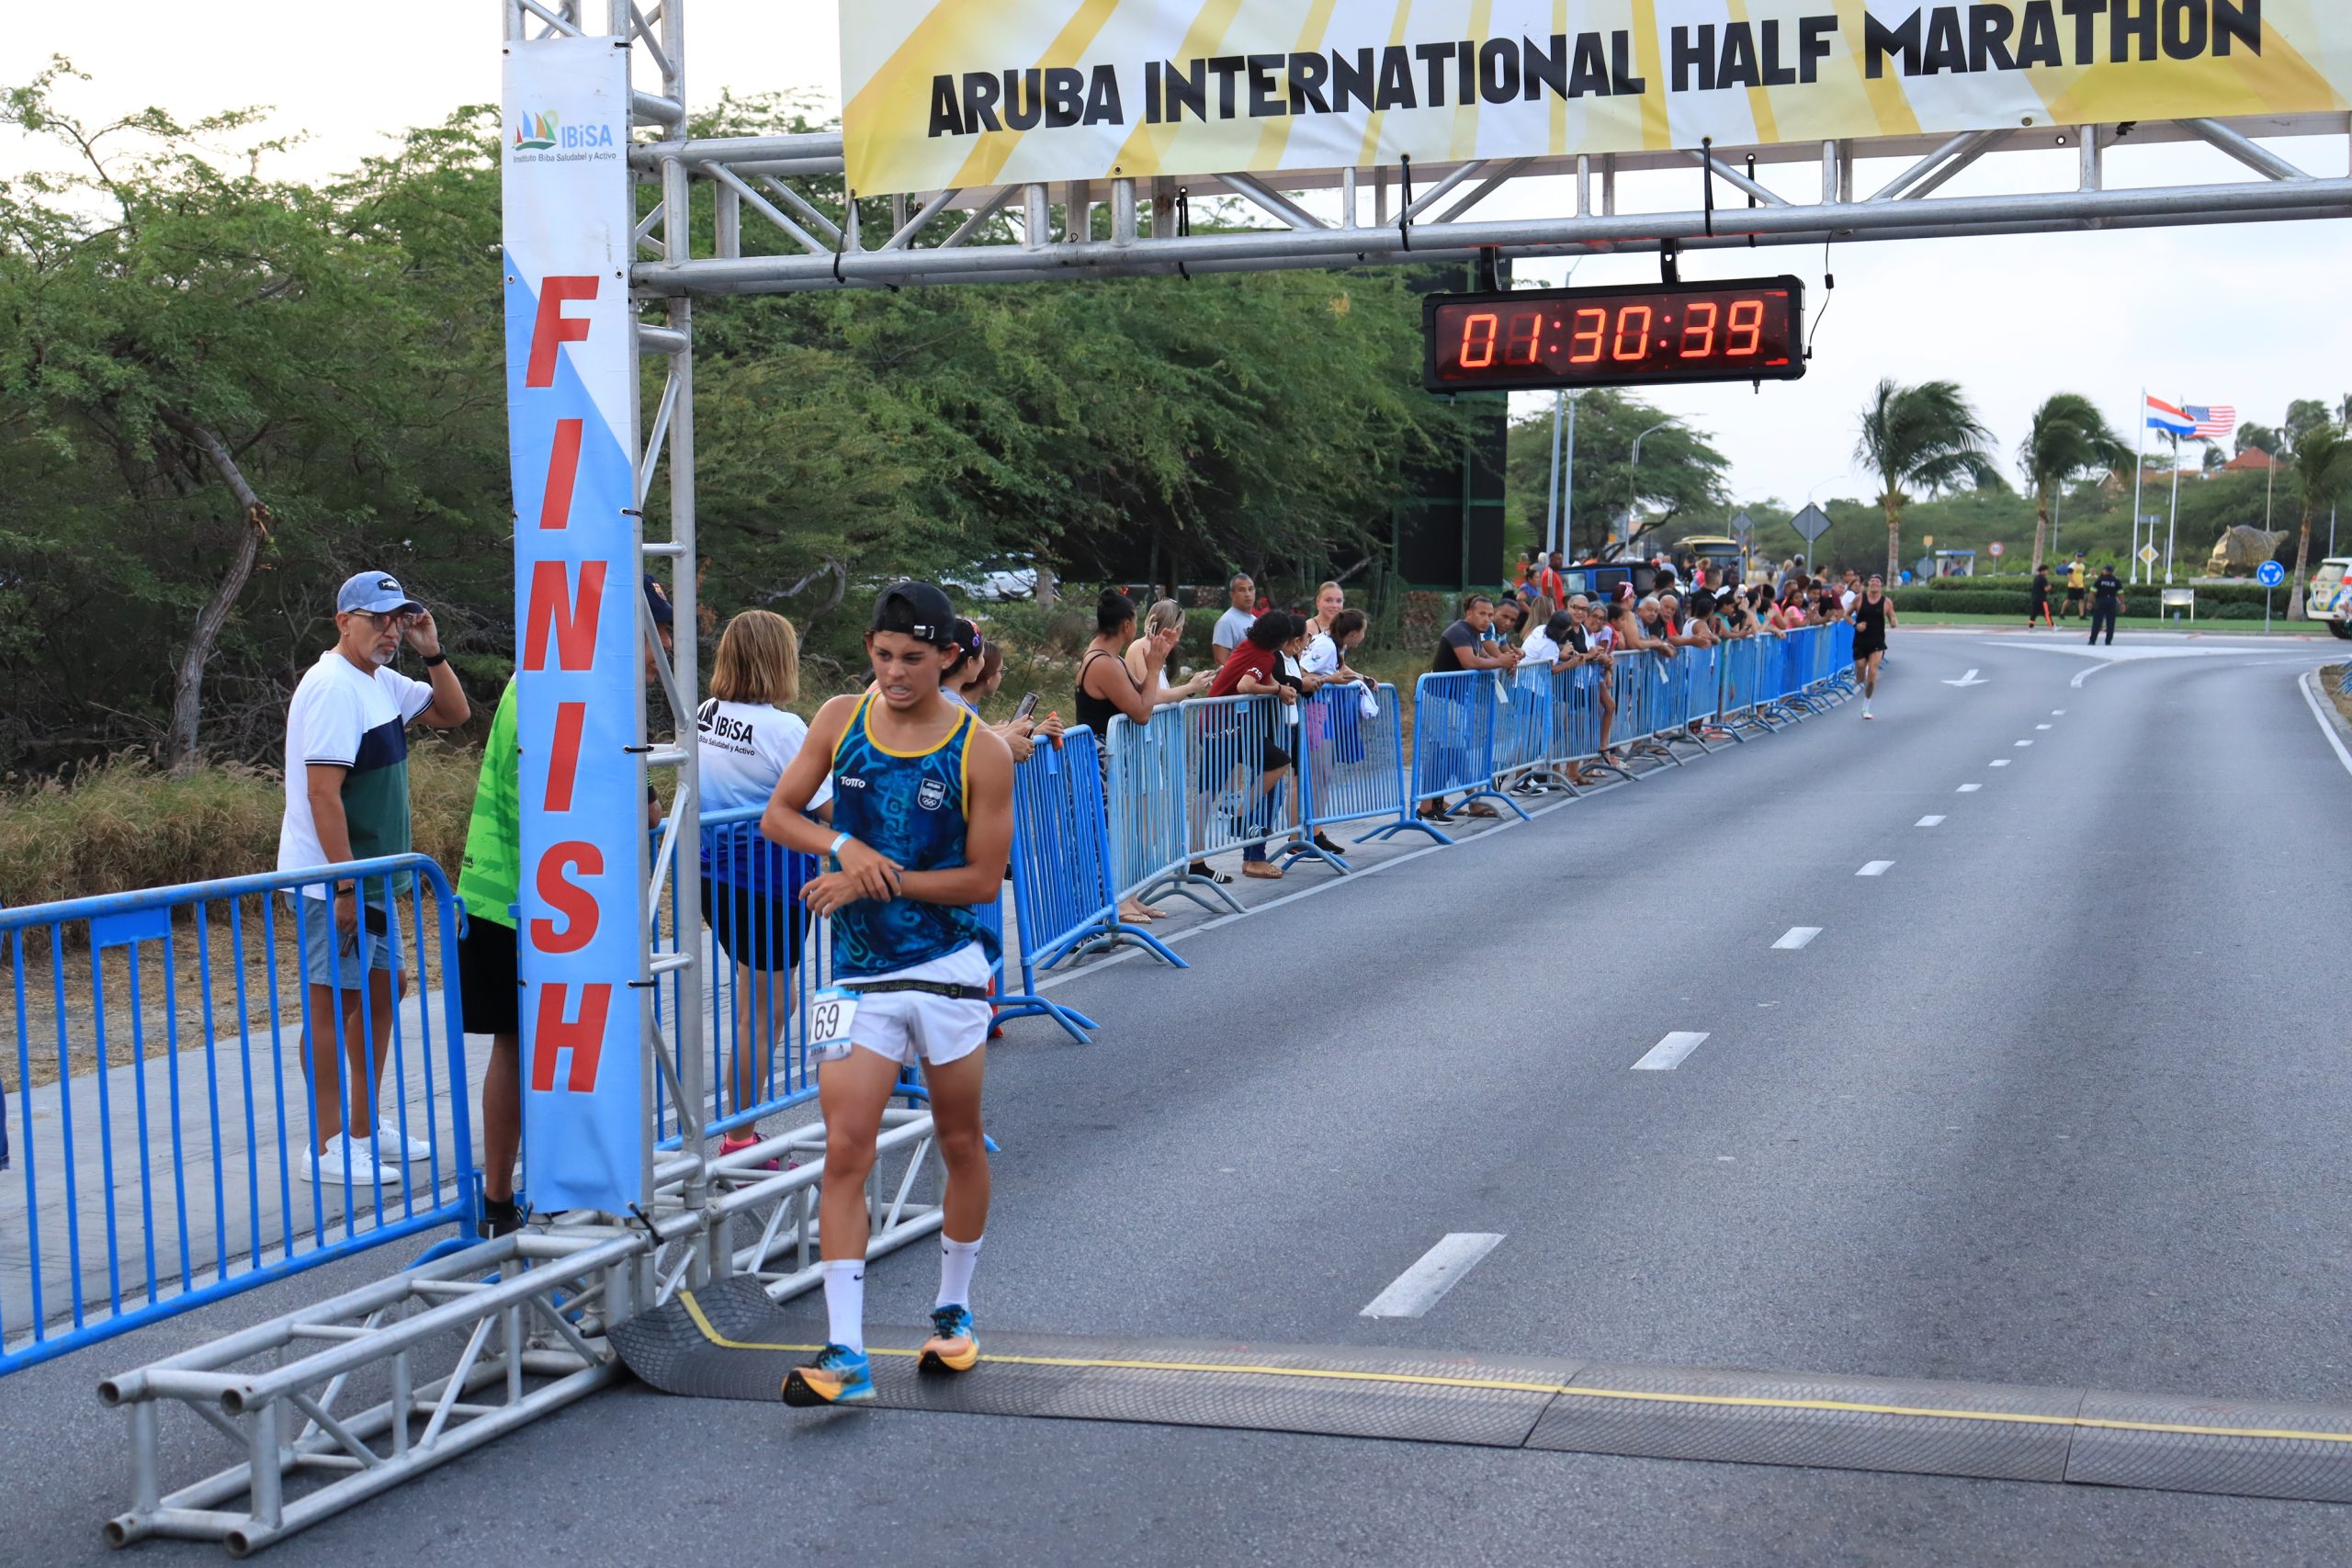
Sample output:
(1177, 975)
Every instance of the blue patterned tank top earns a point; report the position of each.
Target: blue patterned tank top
(909, 807)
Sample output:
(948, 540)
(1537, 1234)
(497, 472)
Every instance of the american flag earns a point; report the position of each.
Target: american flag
(2213, 422)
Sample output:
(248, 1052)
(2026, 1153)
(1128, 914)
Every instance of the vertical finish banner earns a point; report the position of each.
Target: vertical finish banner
(570, 370)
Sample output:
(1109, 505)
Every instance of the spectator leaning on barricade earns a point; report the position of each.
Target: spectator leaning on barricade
(1163, 627)
(982, 674)
(1256, 669)
(489, 986)
(346, 799)
(1330, 600)
(1587, 642)
(1469, 643)
(1107, 687)
(1233, 626)
(1328, 650)
(751, 888)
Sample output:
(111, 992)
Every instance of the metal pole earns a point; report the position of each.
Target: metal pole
(2172, 527)
(2138, 476)
(1568, 485)
(1552, 492)
(1632, 478)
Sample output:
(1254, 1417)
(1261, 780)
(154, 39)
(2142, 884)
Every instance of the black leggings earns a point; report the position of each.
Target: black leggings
(2103, 616)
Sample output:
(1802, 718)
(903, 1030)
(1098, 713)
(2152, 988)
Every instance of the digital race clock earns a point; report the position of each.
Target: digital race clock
(1611, 337)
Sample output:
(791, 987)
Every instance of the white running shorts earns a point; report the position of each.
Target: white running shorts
(904, 1025)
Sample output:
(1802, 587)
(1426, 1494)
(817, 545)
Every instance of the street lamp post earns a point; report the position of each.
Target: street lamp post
(1632, 478)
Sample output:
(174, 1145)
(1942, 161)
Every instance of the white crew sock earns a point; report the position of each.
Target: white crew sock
(845, 1303)
(956, 1260)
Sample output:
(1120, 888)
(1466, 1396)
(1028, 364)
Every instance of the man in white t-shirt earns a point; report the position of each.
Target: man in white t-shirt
(1232, 628)
(346, 799)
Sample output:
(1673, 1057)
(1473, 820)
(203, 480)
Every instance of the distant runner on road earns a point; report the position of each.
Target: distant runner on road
(2107, 602)
(922, 823)
(2074, 586)
(1874, 613)
(2040, 610)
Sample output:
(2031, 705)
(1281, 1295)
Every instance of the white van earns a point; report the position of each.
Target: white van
(2329, 598)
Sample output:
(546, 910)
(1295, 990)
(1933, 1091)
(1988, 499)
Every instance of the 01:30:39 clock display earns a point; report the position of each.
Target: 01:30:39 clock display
(1587, 337)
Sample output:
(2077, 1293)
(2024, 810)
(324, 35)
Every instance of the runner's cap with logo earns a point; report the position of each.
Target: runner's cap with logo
(377, 592)
(917, 610)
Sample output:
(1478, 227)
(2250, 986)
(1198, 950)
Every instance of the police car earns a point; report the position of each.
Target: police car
(2329, 598)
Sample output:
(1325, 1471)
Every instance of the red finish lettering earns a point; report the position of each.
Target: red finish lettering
(555, 613)
(568, 898)
(563, 466)
(582, 1036)
(570, 719)
(554, 327)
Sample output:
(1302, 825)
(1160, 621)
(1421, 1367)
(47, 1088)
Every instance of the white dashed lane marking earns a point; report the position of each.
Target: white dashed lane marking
(1875, 868)
(1441, 1268)
(1928, 822)
(1668, 1054)
(1969, 789)
(1796, 937)
(1998, 763)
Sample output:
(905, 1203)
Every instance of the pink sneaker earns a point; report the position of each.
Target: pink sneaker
(736, 1144)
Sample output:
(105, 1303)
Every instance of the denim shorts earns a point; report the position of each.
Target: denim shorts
(331, 957)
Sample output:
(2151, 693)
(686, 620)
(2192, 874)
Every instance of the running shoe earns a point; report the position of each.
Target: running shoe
(953, 1347)
(500, 1217)
(839, 1376)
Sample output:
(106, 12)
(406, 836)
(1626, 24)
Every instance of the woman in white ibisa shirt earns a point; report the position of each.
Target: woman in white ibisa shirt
(751, 888)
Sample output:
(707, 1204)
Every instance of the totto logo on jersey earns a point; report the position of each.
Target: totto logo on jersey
(849, 780)
(933, 795)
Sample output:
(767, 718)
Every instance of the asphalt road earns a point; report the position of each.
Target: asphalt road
(2057, 1097)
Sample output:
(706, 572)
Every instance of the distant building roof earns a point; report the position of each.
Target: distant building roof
(2253, 457)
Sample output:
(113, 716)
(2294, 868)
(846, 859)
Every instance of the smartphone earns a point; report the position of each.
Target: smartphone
(1028, 705)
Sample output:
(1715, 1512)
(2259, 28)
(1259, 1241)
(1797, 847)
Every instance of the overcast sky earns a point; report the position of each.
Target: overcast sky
(2251, 314)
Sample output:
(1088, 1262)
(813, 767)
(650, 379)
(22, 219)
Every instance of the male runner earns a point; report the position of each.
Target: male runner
(2074, 606)
(922, 824)
(1874, 613)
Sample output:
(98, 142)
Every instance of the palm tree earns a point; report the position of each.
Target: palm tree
(1927, 435)
(2069, 435)
(2322, 465)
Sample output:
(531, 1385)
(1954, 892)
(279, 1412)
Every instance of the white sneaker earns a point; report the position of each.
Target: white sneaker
(327, 1169)
(389, 1143)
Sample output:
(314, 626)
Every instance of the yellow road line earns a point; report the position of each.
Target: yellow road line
(1504, 1385)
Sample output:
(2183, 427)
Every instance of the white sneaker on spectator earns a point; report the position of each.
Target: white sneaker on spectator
(327, 1167)
(389, 1145)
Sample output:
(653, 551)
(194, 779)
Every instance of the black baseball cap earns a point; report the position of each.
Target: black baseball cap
(918, 610)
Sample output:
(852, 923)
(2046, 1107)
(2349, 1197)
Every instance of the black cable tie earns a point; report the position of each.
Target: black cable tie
(1707, 177)
(643, 1218)
(841, 235)
(1183, 225)
(1404, 207)
(1752, 204)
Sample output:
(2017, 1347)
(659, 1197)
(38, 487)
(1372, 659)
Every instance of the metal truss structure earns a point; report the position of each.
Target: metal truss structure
(333, 1403)
(1770, 196)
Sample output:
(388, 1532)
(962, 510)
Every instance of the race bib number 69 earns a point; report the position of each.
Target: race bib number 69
(830, 1014)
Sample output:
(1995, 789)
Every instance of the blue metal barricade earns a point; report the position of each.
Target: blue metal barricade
(165, 1041)
(1454, 737)
(1151, 801)
(1576, 716)
(1646, 683)
(1523, 726)
(1065, 898)
(1352, 768)
(1241, 756)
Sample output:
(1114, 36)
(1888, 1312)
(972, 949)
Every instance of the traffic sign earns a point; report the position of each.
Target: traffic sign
(1812, 522)
(2147, 555)
(2271, 574)
(1928, 541)
(1993, 549)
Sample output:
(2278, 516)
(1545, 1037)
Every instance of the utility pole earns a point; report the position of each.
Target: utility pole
(1632, 478)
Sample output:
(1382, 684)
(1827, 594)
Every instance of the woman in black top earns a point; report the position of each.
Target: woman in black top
(1106, 690)
(1874, 613)
(2040, 611)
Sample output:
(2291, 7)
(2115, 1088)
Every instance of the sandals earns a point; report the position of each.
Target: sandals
(1206, 872)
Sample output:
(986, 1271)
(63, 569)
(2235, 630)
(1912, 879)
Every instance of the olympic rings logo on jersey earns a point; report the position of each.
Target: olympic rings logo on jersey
(933, 795)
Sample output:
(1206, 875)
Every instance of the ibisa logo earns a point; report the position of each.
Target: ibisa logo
(536, 133)
(548, 133)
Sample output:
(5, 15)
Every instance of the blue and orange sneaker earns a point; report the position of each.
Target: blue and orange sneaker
(839, 1376)
(953, 1347)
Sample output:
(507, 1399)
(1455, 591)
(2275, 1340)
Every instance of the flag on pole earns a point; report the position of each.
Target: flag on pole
(2213, 422)
(2173, 421)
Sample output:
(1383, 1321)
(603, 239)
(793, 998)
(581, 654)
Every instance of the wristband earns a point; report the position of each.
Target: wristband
(834, 849)
(431, 659)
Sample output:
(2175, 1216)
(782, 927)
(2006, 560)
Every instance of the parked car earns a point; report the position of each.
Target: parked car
(997, 580)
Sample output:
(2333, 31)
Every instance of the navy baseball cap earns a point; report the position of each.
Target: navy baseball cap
(657, 600)
(378, 592)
